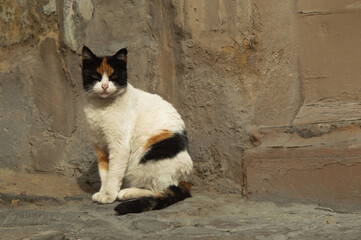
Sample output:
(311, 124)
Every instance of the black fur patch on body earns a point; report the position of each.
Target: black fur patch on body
(172, 195)
(167, 148)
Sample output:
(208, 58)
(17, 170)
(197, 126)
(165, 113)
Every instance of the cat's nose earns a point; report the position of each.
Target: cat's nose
(105, 86)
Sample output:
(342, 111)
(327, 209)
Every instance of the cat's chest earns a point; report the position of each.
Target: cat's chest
(96, 117)
(105, 118)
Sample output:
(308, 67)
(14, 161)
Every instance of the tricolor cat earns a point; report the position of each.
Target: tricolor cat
(139, 138)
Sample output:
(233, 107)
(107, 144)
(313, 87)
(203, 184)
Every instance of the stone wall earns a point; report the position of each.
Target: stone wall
(316, 157)
(227, 66)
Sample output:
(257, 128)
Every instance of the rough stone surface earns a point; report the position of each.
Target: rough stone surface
(316, 163)
(205, 57)
(328, 66)
(229, 67)
(203, 216)
(24, 22)
(316, 157)
(45, 206)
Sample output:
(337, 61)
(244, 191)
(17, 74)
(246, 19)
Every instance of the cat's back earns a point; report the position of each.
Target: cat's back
(154, 110)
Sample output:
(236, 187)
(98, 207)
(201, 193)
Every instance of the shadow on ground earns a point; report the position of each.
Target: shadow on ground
(89, 181)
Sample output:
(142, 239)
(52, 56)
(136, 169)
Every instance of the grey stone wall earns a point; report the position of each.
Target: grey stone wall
(225, 65)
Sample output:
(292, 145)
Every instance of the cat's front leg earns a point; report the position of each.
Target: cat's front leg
(103, 167)
(118, 163)
(103, 176)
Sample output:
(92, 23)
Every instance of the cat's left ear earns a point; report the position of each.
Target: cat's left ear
(87, 54)
(122, 54)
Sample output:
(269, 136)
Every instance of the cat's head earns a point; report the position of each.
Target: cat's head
(104, 76)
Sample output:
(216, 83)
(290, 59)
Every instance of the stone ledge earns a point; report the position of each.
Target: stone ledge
(37, 186)
(318, 163)
(328, 110)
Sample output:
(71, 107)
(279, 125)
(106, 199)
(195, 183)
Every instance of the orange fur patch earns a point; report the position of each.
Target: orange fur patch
(158, 195)
(105, 68)
(102, 158)
(157, 138)
(185, 185)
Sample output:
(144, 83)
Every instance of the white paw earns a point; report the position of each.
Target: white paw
(122, 195)
(104, 197)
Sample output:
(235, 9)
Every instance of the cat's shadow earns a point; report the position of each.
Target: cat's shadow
(89, 181)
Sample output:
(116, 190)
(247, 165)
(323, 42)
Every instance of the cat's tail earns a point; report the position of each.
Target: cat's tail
(160, 200)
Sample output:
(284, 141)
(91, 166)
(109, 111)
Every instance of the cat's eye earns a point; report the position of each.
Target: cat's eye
(113, 76)
(95, 76)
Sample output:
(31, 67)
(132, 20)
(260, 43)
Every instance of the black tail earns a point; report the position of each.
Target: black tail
(161, 200)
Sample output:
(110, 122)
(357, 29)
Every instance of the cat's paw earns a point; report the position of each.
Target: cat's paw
(96, 196)
(122, 194)
(104, 197)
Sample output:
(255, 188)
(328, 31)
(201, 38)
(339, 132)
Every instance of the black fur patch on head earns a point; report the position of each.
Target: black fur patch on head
(91, 62)
(167, 148)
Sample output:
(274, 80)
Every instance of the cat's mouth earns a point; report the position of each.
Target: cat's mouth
(104, 94)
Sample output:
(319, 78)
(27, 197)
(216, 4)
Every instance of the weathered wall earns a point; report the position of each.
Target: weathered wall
(329, 57)
(225, 65)
(41, 124)
(316, 157)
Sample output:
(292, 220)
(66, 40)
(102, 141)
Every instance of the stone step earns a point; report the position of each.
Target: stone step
(326, 110)
(315, 162)
(42, 189)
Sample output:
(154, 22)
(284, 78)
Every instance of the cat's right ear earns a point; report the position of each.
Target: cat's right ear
(122, 54)
(87, 54)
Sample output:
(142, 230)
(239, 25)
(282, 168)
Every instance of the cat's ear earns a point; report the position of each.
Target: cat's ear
(122, 54)
(87, 54)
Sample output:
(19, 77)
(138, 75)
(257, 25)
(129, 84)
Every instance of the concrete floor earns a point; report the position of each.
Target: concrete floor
(203, 216)
(29, 209)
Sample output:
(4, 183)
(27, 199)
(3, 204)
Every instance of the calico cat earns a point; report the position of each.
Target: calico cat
(139, 138)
